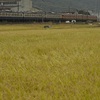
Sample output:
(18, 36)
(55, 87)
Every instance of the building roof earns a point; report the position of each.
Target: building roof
(9, 0)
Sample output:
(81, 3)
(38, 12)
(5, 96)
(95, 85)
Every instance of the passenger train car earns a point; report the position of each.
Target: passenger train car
(25, 16)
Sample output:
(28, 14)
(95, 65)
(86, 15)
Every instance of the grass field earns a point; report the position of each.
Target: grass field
(60, 63)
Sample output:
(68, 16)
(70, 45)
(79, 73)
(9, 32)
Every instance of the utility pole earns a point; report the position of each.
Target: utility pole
(97, 8)
(69, 6)
(2, 6)
(18, 5)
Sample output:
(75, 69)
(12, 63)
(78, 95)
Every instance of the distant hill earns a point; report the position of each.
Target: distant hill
(65, 5)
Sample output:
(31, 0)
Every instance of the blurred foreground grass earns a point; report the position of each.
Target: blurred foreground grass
(60, 63)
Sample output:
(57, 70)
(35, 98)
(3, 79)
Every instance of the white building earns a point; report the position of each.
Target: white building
(8, 4)
(25, 5)
(16, 5)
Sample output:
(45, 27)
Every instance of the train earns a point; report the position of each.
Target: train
(42, 17)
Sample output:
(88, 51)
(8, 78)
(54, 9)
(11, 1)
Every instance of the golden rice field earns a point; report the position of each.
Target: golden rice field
(60, 63)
